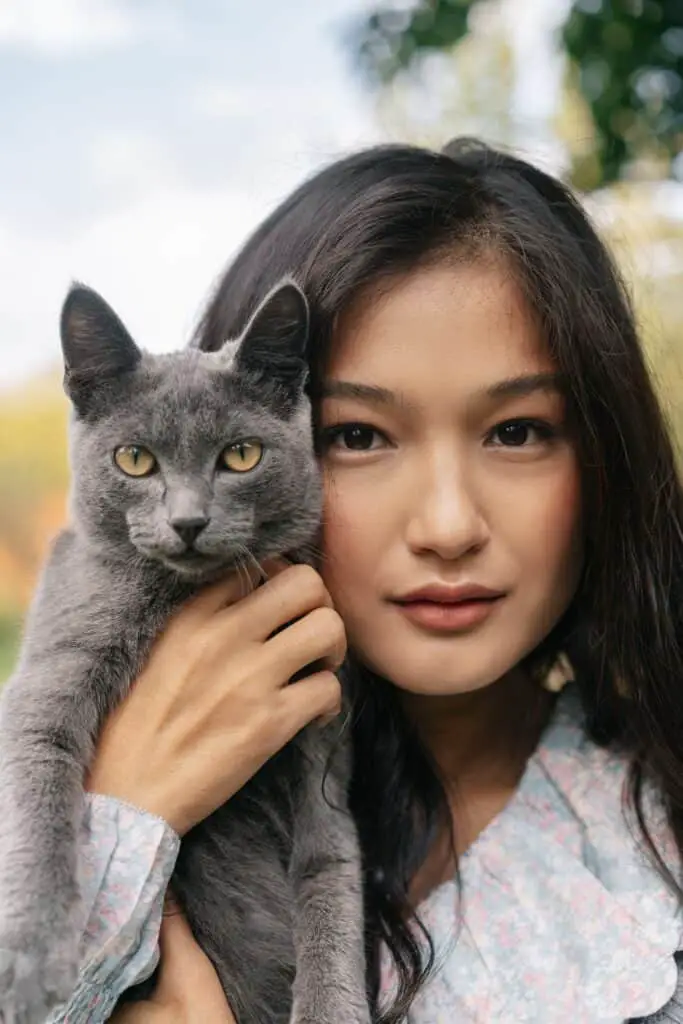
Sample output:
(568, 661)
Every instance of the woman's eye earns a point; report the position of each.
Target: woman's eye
(353, 437)
(520, 433)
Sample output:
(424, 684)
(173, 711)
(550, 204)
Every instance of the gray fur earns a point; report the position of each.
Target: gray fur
(271, 883)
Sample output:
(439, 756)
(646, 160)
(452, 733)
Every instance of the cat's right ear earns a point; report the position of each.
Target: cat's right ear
(96, 346)
(272, 347)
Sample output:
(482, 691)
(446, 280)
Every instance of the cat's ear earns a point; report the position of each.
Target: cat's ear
(272, 347)
(96, 346)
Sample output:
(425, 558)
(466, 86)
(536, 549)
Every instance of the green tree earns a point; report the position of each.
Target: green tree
(626, 61)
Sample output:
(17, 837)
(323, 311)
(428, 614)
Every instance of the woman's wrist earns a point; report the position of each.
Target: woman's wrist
(95, 796)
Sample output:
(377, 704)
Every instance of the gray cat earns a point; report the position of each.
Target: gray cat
(184, 465)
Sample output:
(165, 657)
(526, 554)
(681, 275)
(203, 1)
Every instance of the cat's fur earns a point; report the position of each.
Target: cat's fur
(271, 882)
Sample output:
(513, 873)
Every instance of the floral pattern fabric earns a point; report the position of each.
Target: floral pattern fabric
(564, 917)
(126, 858)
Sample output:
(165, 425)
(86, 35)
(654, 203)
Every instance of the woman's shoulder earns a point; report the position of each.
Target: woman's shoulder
(566, 916)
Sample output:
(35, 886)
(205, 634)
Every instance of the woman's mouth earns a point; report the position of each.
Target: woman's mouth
(445, 609)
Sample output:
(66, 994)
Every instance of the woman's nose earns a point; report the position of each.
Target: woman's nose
(446, 517)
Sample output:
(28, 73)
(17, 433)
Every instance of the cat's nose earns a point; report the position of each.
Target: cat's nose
(189, 529)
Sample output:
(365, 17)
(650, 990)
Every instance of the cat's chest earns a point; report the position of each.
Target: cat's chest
(258, 821)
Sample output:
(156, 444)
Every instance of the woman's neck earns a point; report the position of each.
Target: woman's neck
(480, 742)
(484, 737)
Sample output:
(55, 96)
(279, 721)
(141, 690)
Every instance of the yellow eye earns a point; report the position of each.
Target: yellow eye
(134, 460)
(242, 456)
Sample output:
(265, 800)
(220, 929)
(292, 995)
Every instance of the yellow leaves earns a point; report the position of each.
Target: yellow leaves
(33, 447)
(33, 485)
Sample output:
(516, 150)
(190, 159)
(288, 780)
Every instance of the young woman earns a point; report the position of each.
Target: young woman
(503, 516)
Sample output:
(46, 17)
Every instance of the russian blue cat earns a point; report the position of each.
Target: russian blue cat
(184, 467)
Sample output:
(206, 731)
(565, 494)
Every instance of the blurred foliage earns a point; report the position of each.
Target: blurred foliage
(470, 95)
(636, 221)
(33, 485)
(393, 36)
(629, 59)
(626, 60)
(10, 632)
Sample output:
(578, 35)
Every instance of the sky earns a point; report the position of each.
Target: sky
(142, 140)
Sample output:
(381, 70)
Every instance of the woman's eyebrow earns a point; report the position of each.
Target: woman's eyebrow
(526, 384)
(373, 394)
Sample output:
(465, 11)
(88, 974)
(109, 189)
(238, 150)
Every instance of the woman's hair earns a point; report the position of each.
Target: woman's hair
(384, 212)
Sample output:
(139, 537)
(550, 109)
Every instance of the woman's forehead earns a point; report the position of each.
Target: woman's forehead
(466, 324)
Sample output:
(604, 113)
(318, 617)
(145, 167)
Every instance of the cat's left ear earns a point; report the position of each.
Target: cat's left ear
(96, 346)
(273, 345)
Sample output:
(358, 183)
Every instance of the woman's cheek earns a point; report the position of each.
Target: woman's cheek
(332, 532)
(558, 529)
(347, 531)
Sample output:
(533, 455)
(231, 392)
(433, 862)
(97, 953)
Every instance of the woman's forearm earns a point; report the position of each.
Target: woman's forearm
(126, 857)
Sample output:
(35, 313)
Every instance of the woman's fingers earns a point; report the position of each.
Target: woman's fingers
(187, 978)
(287, 595)
(317, 696)
(179, 950)
(228, 591)
(318, 636)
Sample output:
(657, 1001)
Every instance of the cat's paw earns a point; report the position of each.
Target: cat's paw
(35, 982)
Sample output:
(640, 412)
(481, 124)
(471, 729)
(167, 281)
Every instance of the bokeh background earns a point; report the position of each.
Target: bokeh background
(142, 140)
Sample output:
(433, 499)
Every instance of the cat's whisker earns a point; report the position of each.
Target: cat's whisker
(255, 562)
(242, 572)
(244, 558)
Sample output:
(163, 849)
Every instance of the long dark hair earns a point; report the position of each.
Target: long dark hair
(386, 211)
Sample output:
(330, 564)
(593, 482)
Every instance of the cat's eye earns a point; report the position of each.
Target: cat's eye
(241, 457)
(134, 460)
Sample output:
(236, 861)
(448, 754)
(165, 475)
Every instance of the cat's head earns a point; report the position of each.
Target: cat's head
(199, 460)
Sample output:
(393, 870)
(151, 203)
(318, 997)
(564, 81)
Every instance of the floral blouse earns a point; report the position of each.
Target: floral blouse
(562, 917)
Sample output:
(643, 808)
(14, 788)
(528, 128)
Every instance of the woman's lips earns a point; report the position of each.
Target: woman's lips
(448, 616)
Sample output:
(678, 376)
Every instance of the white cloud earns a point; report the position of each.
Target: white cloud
(214, 98)
(129, 161)
(153, 260)
(222, 99)
(59, 26)
(319, 126)
(63, 24)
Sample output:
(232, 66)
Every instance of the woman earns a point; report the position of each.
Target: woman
(503, 514)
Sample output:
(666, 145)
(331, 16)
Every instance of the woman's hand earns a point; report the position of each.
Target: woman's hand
(188, 989)
(214, 702)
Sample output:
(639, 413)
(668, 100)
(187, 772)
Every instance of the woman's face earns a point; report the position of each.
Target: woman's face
(452, 527)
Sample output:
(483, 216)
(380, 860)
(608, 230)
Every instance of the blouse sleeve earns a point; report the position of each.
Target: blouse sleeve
(126, 858)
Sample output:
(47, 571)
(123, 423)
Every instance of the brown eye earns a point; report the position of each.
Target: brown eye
(241, 457)
(133, 460)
